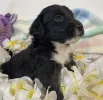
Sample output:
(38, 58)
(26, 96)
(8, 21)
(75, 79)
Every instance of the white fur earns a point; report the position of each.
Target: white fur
(63, 51)
(74, 40)
(62, 55)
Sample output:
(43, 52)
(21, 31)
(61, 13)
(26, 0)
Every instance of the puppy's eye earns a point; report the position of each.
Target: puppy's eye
(58, 18)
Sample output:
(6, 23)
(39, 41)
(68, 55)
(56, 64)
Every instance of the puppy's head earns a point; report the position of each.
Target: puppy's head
(58, 24)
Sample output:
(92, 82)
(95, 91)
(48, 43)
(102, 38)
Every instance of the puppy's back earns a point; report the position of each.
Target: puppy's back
(19, 65)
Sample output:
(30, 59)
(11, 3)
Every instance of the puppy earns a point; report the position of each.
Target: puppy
(53, 31)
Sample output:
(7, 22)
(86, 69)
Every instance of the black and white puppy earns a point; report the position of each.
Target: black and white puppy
(53, 31)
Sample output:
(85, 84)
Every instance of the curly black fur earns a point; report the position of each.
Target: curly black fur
(54, 24)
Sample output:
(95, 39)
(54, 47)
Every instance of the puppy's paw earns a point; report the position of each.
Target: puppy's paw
(60, 96)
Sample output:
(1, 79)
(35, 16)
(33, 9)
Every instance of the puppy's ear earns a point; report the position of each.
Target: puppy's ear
(37, 29)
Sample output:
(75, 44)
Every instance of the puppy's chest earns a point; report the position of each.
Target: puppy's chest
(63, 54)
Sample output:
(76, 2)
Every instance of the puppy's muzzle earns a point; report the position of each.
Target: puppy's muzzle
(79, 27)
(79, 31)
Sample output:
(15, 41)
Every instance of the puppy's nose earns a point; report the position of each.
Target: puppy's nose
(79, 25)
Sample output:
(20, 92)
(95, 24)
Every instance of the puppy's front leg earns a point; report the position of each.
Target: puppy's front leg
(70, 62)
(49, 75)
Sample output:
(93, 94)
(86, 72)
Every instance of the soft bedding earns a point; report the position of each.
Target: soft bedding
(85, 83)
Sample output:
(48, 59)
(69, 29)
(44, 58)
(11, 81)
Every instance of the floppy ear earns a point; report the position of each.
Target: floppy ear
(37, 29)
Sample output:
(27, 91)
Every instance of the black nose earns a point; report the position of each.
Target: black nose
(79, 25)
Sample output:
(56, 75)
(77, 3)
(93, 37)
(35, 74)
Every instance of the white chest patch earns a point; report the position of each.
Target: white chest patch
(62, 55)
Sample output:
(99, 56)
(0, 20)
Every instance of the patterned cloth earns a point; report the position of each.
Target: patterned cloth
(91, 42)
(93, 25)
